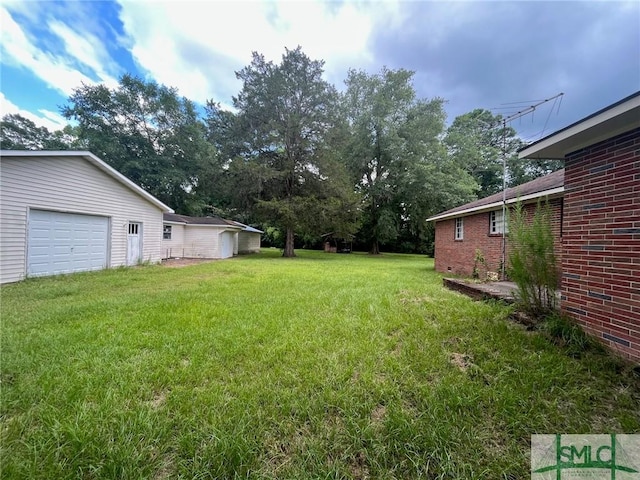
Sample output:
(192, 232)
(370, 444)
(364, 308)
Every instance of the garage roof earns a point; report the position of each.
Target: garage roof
(91, 158)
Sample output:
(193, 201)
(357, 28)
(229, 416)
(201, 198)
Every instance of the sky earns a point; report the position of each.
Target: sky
(503, 56)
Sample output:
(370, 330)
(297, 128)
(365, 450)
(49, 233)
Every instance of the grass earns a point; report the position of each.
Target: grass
(322, 366)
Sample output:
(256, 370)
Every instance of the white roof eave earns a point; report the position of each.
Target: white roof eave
(615, 120)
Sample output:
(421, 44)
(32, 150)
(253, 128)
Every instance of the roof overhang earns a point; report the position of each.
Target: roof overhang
(204, 225)
(618, 118)
(249, 229)
(549, 194)
(95, 161)
(210, 225)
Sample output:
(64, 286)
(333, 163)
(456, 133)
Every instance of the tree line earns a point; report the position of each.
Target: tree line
(295, 156)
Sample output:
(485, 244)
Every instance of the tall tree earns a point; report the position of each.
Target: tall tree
(241, 176)
(150, 134)
(432, 183)
(276, 144)
(479, 142)
(395, 155)
(20, 133)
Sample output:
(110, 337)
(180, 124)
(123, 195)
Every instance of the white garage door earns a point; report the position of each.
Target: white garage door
(65, 243)
(226, 247)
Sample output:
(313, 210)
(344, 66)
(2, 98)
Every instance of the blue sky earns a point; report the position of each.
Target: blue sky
(482, 54)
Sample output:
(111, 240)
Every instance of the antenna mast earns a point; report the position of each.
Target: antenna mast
(505, 120)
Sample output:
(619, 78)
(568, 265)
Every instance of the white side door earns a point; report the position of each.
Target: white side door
(134, 243)
(226, 244)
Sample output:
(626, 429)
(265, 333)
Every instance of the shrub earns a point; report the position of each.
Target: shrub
(532, 260)
(479, 260)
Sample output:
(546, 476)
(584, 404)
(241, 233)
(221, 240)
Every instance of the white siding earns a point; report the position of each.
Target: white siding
(199, 241)
(202, 241)
(174, 248)
(69, 184)
(248, 242)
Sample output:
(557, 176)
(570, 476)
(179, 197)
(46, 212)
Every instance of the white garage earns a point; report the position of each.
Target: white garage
(60, 242)
(67, 211)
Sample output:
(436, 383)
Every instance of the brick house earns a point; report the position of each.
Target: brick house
(477, 227)
(601, 221)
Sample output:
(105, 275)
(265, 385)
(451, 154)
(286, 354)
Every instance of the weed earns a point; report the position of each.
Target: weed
(532, 260)
(568, 334)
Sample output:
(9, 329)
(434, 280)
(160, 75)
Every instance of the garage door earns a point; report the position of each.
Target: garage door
(65, 242)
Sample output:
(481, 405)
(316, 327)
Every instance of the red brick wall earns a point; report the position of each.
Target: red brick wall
(601, 241)
(457, 256)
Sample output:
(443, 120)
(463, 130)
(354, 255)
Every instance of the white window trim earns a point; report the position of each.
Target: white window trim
(166, 229)
(497, 223)
(459, 229)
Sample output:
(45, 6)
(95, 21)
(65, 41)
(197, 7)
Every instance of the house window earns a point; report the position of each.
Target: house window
(459, 235)
(166, 232)
(496, 223)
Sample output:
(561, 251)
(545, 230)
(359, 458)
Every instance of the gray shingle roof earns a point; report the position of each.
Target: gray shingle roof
(539, 185)
(174, 217)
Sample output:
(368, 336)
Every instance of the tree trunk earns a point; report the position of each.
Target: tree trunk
(375, 248)
(288, 246)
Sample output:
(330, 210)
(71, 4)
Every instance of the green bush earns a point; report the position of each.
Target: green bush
(532, 260)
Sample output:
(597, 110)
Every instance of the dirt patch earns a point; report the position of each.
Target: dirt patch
(452, 342)
(158, 400)
(358, 467)
(378, 413)
(281, 452)
(166, 470)
(461, 360)
(524, 319)
(186, 262)
(380, 378)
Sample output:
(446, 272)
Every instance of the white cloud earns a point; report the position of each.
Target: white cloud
(51, 120)
(57, 71)
(86, 49)
(197, 46)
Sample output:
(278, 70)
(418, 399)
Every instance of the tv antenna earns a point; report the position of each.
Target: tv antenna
(508, 119)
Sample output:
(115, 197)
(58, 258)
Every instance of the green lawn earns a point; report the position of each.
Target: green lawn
(322, 366)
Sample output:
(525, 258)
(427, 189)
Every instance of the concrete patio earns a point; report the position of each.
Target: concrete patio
(481, 291)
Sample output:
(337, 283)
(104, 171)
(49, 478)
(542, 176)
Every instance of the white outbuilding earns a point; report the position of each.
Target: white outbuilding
(206, 237)
(68, 211)
(249, 239)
